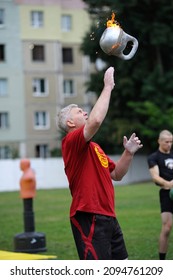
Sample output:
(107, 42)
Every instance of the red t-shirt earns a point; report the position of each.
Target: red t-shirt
(88, 172)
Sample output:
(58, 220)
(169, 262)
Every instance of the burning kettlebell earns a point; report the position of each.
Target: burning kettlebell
(114, 40)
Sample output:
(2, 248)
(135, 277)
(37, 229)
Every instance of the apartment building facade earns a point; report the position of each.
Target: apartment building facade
(41, 70)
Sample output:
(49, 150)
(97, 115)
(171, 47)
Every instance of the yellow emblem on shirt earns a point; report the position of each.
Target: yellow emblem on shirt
(102, 157)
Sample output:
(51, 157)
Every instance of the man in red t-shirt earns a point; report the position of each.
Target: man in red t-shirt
(90, 172)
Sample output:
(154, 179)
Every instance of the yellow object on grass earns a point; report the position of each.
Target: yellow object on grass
(5, 255)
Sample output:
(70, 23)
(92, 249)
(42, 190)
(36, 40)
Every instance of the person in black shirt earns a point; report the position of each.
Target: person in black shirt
(161, 169)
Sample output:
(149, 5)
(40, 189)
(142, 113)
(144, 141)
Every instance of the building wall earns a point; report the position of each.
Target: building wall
(52, 22)
(49, 70)
(21, 37)
(12, 70)
(52, 69)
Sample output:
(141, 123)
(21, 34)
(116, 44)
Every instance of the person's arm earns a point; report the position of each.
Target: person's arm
(99, 111)
(154, 171)
(122, 165)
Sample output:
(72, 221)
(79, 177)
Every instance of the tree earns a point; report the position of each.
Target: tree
(142, 100)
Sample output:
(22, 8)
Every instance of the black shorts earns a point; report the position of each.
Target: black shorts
(98, 237)
(166, 204)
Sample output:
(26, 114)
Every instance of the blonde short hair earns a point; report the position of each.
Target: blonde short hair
(164, 133)
(62, 117)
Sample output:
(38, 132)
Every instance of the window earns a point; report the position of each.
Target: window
(39, 87)
(67, 55)
(68, 87)
(3, 87)
(41, 120)
(36, 19)
(38, 53)
(2, 17)
(66, 23)
(41, 151)
(4, 122)
(2, 52)
(5, 152)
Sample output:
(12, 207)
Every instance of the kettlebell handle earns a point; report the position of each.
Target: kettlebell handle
(129, 38)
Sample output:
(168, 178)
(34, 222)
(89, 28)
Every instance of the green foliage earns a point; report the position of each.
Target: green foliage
(142, 100)
(55, 152)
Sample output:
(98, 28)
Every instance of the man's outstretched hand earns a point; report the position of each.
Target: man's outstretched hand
(133, 144)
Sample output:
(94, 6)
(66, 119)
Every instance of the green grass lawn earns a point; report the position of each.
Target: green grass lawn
(137, 210)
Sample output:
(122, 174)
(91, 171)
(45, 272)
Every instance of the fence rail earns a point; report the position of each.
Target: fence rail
(50, 173)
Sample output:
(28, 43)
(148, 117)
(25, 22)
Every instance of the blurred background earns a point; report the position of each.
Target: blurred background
(50, 57)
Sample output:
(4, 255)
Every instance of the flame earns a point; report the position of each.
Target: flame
(112, 22)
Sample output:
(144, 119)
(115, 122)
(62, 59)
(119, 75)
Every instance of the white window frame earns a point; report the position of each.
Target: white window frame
(41, 120)
(43, 150)
(4, 120)
(37, 89)
(3, 87)
(5, 152)
(66, 23)
(2, 17)
(69, 88)
(37, 19)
